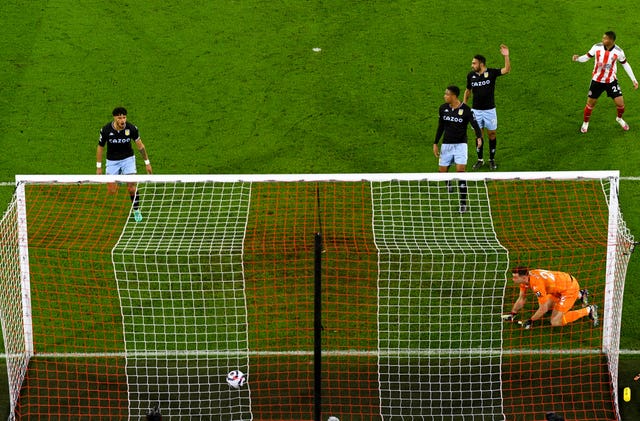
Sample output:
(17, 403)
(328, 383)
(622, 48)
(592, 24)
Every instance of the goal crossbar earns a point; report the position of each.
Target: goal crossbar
(230, 178)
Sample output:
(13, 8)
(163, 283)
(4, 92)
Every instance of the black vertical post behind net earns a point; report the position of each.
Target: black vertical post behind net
(317, 330)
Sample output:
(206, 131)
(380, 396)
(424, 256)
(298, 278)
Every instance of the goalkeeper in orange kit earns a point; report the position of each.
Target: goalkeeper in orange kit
(557, 291)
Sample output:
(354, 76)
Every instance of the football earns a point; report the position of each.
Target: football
(236, 379)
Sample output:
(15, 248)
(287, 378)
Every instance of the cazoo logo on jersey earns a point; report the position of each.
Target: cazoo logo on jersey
(453, 118)
(480, 83)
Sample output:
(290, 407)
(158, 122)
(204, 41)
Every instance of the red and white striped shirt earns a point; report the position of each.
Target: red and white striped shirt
(605, 67)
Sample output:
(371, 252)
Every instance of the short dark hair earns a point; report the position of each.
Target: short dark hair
(611, 35)
(482, 59)
(119, 111)
(454, 90)
(520, 270)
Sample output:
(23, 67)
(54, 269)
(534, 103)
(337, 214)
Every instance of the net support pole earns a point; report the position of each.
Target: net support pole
(317, 329)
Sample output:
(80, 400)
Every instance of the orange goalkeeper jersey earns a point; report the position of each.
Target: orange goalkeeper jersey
(544, 283)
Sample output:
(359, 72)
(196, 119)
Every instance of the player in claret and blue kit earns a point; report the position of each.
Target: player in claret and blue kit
(118, 137)
(454, 116)
(481, 82)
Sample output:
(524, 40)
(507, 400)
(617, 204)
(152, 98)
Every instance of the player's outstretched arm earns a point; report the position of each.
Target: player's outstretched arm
(546, 304)
(627, 68)
(517, 306)
(504, 50)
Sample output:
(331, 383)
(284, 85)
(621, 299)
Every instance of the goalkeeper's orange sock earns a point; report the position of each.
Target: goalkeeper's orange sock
(574, 315)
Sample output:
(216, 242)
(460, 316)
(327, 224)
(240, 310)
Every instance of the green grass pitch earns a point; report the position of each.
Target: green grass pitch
(235, 87)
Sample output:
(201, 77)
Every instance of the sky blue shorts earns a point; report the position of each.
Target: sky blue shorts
(122, 167)
(453, 153)
(487, 119)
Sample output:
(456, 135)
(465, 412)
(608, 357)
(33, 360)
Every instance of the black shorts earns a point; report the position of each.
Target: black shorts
(597, 88)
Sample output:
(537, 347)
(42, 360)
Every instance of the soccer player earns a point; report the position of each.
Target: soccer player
(481, 82)
(557, 291)
(604, 78)
(453, 118)
(118, 136)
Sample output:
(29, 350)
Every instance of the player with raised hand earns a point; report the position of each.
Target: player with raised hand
(557, 291)
(604, 77)
(481, 83)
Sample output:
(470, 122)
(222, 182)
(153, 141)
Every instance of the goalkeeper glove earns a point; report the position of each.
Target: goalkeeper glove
(526, 324)
(509, 317)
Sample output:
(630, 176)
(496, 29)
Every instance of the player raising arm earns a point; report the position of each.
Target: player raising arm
(604, 78)
(557, 291)
(481, 83)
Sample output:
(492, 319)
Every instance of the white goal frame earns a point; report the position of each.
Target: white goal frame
(611, 320)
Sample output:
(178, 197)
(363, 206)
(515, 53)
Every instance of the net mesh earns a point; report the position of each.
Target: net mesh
(219, 276)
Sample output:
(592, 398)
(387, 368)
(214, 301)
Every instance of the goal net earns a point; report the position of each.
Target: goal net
(104, 317)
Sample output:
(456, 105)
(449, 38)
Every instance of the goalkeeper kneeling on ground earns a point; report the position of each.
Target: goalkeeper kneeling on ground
(557, 291)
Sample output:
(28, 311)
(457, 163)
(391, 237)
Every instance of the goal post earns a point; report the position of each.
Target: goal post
(105, 317)
(23, 246)
(15, 299)
(620, 246)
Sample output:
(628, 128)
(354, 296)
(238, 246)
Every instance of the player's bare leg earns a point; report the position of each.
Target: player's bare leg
(112, 188)
(619, 101)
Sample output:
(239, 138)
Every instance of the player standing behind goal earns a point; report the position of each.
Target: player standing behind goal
(118, 136)
(453, 118)
(604, 78)
(557, 291)
(481, 82)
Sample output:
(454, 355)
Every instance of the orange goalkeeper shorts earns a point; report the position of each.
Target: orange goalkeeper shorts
(567, 299)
